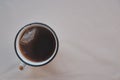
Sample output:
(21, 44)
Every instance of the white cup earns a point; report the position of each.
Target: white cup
(22, 57)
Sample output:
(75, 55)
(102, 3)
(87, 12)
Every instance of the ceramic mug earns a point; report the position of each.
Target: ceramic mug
(36, 44)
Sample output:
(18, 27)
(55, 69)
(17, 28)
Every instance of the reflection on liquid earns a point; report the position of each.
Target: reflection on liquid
(28, 36)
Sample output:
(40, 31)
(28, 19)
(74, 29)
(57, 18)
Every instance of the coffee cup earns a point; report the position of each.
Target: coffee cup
(36, 44)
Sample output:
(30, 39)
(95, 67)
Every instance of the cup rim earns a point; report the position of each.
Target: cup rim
(53, 32)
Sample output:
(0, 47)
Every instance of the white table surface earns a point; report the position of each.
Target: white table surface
(88, 32)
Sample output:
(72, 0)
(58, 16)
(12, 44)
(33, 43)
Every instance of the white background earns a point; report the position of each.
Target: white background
(88, 32)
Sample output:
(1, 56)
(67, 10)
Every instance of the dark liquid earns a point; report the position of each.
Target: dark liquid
(37, 44)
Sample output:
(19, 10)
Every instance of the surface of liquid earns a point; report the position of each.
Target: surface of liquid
(37, 43)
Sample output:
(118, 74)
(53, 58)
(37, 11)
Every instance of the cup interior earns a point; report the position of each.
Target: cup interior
(22, 57)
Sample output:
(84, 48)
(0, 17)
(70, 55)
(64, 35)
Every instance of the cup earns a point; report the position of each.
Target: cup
(36, 44)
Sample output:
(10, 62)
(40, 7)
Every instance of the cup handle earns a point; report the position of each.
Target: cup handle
(22, 66)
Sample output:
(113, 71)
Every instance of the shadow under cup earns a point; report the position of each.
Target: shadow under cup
(36, 44)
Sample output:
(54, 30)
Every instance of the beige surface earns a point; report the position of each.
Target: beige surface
(88, 31)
